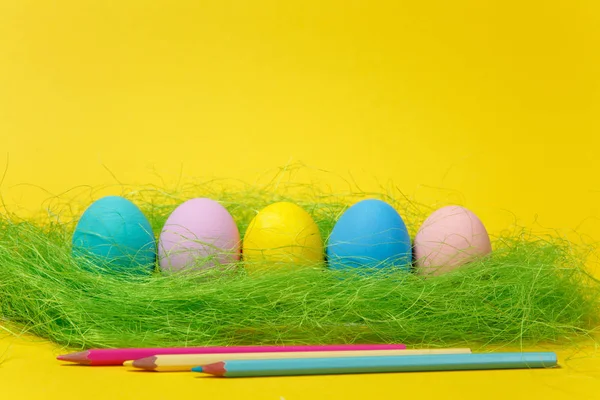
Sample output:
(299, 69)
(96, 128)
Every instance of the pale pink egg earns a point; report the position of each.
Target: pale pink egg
(449, 238)
(200, 233)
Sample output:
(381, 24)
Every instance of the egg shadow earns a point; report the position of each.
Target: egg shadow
(413, 258)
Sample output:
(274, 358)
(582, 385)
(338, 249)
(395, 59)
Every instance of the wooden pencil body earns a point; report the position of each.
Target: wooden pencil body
(185, 362)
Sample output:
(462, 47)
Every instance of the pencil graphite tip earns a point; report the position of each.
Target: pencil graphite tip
(128, 363)
(197, 369)
(80, 357)
(145, 363)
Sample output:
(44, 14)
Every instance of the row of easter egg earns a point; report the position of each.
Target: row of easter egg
(201, 233)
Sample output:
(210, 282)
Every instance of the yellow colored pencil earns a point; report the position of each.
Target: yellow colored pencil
(185, 362)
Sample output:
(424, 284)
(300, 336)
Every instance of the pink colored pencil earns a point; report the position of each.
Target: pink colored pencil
(119, 356)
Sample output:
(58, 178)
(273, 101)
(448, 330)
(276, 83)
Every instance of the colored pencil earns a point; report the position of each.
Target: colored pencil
(119, 356)
(185, 362)
(360, 365)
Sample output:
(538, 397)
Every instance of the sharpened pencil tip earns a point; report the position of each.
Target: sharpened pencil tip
(197, 369)
(79, 357)
(148, 363)
(128, 363)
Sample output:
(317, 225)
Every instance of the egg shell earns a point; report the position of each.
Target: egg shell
(199, 233)
(369, 234)
(449, 238)
(113, 232)
(282, 233)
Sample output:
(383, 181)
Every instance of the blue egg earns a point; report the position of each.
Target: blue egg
(115, 234)
(370, 234)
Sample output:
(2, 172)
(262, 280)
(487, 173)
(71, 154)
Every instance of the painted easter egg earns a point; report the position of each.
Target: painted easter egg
(369, 234)
(199, 233)
(114, 233)
(282, 234)
(450, 237)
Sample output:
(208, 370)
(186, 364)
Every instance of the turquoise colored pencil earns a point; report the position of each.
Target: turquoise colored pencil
(378, 364)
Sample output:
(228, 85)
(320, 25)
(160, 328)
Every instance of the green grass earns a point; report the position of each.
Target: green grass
(530, 290)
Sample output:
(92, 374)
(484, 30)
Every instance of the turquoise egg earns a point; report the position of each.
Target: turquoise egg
(114, 233)
(370, 234)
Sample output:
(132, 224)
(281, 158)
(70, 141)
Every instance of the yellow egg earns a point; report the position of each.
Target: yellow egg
(282, 234)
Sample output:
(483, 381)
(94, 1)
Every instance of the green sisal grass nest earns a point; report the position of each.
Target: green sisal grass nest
(530, 290)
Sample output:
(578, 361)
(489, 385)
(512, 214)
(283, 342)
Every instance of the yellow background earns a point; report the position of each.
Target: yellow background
(491, 104)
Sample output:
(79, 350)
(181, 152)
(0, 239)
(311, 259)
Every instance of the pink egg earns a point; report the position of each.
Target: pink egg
(449, 238)
(200, 233)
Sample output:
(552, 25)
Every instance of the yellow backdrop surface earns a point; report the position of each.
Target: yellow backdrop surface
(491, 104)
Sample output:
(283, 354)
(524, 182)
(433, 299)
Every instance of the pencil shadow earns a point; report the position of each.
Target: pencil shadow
(75, 366)
(244, 378)
(160, 373)
(481, 371)
(88, 366)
